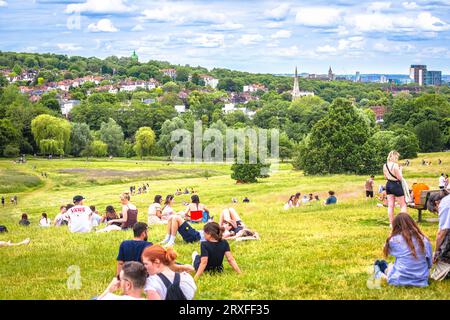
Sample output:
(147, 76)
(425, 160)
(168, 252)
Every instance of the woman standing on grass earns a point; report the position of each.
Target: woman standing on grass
(394, 190)
(412, 251)
(129, 213)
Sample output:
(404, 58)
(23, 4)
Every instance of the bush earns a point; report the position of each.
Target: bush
(11, 151)
(248, 173)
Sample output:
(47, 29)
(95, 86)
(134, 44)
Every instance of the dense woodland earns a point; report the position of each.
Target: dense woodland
(123, 125)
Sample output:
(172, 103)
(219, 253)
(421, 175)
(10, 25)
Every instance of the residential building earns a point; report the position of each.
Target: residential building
(433, 78)
(170, 72)
(418, 73)
(67, 106)
(379, 113)
(254, 87)
(180, 108)
(210, 81)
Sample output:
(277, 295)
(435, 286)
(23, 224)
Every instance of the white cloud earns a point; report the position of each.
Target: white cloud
(348, 45)
(182, 13)
(318, 17)
(274, 25)
(326, 49)
(3, 3)
(279, 13)
(103, 25)
(410, 5)
(249, 39)
(208, 40)
(100, 6)
(287, 52)
(282, 34)
(393, 47)
(138, 27)
(379, 22)
(378, 6)
(227, 26)
(68, 47)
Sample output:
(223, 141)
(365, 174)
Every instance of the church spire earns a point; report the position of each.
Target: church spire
(296, 90)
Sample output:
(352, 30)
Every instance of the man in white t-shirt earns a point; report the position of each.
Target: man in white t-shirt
(131, 281)
(79, 216)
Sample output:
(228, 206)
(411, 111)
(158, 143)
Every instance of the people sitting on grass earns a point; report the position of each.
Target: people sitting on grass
(305, 199)
(110, 215)
(155, 212)
(194, 211)
(61, 219)
(11, 244)
(79, 216)
(131, 282)
(290, 203)
(412, 251)
(440, 203)
(162, 282)
(24, 220)
(296, 202)
(331, 198)
(212, 252)
(167, 210)
(128, 217)
(131, 250)
(45, 221)
(96, 218)
(246, 200)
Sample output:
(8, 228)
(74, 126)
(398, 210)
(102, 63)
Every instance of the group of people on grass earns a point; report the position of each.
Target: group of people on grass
(407, 243)
(296, 200)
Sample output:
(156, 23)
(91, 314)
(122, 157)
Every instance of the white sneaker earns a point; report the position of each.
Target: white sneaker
(169, 244)
(194, 255)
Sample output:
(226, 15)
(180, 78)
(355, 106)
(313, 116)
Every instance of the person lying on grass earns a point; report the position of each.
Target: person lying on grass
(238, 233)
(163, 283)
(10, 244)
(131, 281)
(131, 250)
(212, 251)
(412, 251)
(230, 215)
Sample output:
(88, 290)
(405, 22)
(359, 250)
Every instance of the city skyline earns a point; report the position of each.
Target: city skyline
(371, 37)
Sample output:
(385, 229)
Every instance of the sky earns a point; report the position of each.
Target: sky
(255, 36)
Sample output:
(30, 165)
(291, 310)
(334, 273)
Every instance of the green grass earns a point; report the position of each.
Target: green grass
(311, 252)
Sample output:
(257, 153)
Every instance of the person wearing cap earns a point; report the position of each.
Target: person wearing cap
(440, 203)
(79, 216)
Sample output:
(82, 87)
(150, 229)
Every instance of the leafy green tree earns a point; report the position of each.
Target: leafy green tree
(11, 151)
(145, 140)
(247, 172)
(111, 134)
(9, 135)
(167, 128)
(80, 138)
(286, 147)
(430, 136)
(182, 74)
(96, 148)
(339, 143)
(51, 134)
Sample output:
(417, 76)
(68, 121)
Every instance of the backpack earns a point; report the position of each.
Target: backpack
(173, 289)
(3, 229)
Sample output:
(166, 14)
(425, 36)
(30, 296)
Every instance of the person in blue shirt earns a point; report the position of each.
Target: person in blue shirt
(131, 250)
(412, 251)
(331, 199)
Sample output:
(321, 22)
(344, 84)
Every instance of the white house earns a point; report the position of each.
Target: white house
(210, 81)
(180, 108)
(67, 106)
(254, 87)
(228, 107)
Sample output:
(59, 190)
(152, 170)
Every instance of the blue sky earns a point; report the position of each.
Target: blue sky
(255, 36)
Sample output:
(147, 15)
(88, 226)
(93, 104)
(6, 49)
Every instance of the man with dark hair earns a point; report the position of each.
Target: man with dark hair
(331, 199)
(440, 203)
(131, 250)
(131, 280)
(79, 216)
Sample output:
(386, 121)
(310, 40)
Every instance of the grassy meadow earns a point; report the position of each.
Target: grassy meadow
(310, 252)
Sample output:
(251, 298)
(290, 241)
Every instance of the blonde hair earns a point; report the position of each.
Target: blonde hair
(125, 195)
(393, 156)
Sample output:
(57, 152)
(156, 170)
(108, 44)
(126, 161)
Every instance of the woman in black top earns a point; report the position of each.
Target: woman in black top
(212, 251)
(394, 190)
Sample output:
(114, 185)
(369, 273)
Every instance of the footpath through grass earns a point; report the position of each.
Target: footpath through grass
(311, 252)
